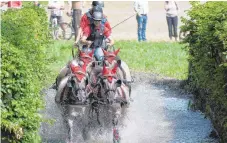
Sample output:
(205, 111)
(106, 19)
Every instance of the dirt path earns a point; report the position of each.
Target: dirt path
(156, 27)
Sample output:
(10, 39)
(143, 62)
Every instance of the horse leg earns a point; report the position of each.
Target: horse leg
(87, 123)
(69, 118)
(85, 132)
(116, 115)
(97, 114)
(69, 126)
(90, 112)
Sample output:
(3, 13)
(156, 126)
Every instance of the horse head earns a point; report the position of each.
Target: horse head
(109, 56)
(78, 81)
(110, 83)
(85, 57)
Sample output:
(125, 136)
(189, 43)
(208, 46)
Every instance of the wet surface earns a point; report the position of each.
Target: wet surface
(158, 114)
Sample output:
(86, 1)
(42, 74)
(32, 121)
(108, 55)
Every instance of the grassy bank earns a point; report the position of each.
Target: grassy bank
(164, 58)
(59, 54)
(167, 59)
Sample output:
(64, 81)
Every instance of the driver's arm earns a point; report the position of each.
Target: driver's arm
(86, 33)
(84, 41)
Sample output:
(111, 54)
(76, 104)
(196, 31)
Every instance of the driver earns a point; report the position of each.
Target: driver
(86, 19)
(94, 34)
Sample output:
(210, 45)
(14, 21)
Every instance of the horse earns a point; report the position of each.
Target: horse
(71, 96)
(106, 89)
(116, 94)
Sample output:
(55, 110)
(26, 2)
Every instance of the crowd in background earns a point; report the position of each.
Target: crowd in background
(141, 8)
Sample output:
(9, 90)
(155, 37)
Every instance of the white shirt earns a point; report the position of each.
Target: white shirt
(171, 8)
(141, 6)
(58, 5)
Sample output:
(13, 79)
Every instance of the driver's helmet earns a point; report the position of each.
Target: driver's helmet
(97, 16)
(98, 3)
(97, 9)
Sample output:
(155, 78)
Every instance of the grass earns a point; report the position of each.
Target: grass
(164, 58)
(59, 53)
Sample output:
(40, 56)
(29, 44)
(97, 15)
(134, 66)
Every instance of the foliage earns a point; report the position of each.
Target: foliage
(24, 43)
(207, 45)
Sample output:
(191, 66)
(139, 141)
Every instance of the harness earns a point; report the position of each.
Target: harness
(96, 35)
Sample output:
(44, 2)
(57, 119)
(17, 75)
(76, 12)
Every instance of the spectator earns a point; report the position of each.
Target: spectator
(142, 8)
(172, 8)
(36, 3)
(56, 11)
(4, 6)
(15, 4)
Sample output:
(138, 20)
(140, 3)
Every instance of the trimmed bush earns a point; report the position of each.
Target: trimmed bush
(207, 46)
(24, 42)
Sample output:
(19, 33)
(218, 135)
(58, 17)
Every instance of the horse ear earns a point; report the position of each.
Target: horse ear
(116, 52)
(105, 52)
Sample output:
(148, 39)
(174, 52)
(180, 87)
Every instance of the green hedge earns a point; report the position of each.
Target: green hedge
(207, 46)
(24, 42)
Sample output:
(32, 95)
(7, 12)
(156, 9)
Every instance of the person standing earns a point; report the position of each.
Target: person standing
(36, 3)
(57, 8)
(141, 7)
(172, 8)
(4, 6)
(14, 4)
(77, 13)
